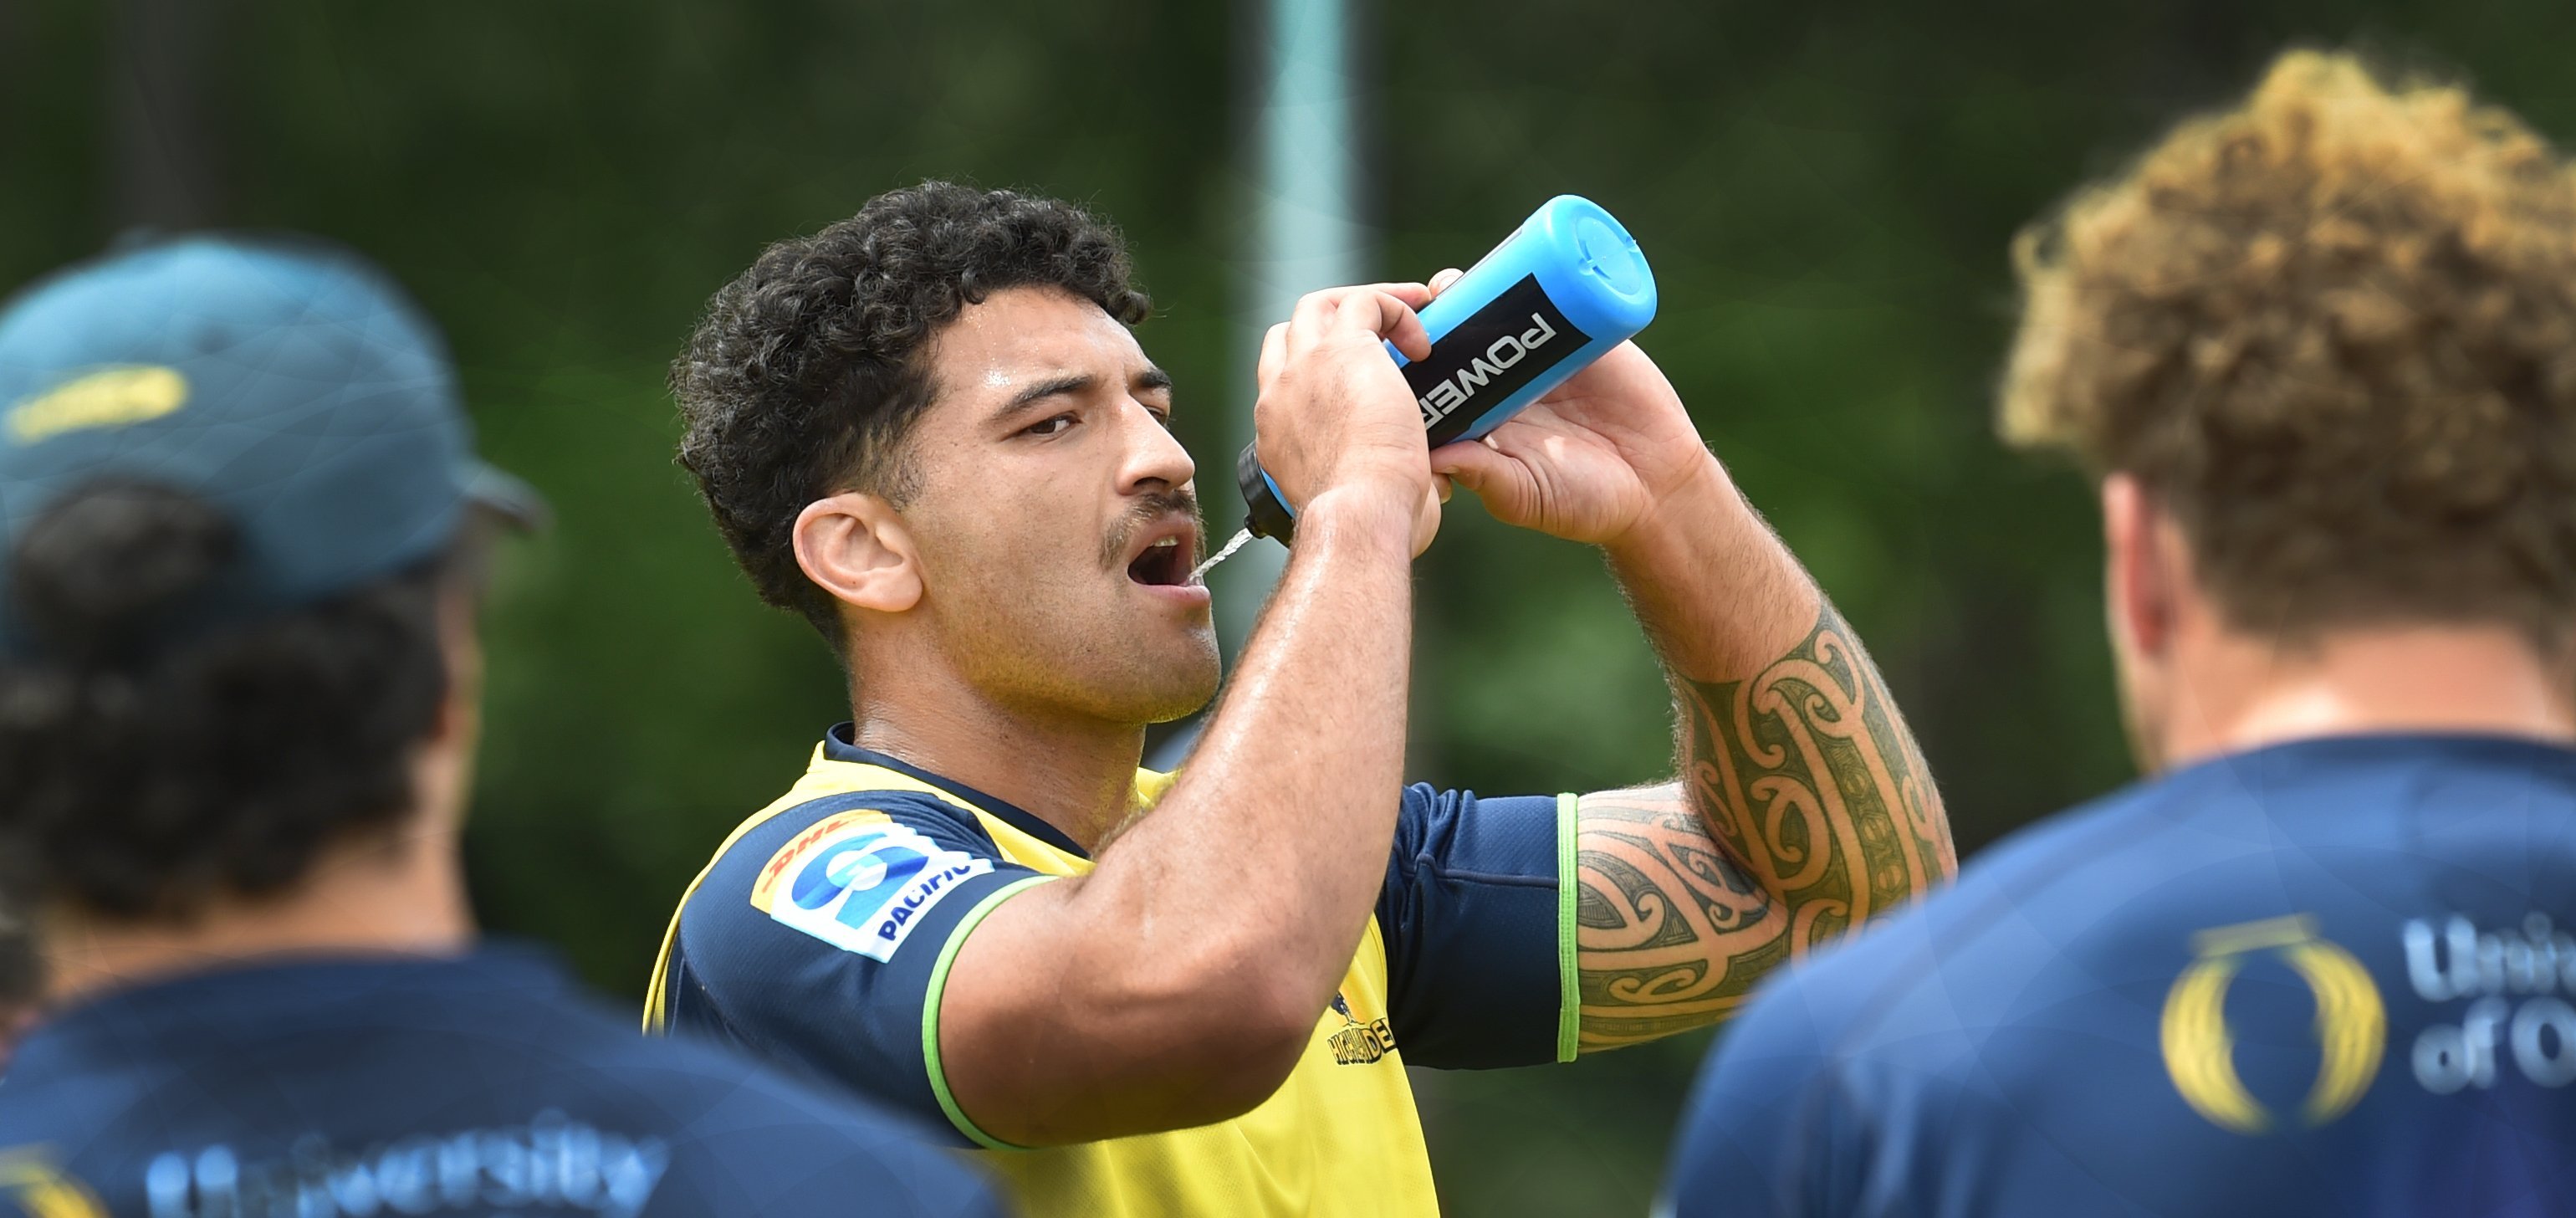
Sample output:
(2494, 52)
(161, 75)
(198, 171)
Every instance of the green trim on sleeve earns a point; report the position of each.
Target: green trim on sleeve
(939, 989)
(1569, 988)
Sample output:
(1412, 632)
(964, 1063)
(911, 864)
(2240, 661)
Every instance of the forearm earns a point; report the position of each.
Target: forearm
(1717, 593)
(1792, 753)
(1176, 984)
(1274, 842)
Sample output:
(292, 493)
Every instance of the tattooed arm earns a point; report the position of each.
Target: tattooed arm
(1804, 807)
(1805, 810)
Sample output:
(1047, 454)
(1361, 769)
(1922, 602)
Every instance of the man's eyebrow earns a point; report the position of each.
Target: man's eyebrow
(1054, 386)
(1072, 384)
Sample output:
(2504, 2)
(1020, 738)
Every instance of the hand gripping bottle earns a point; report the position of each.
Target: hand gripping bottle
(1567, 286)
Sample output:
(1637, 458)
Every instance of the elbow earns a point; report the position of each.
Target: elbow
(1232, 1073)
(1224, 1035)
(1272, 1023)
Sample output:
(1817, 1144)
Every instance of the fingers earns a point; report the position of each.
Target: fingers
(1322, 303)
(1426, 520)
(1383, 309)
(1333, 408)
(1397, 323)
(1274, 351)
(1468, 463)
(1414, 295)
(1441, 282)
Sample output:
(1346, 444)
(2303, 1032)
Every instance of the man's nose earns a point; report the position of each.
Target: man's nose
(1153, 454)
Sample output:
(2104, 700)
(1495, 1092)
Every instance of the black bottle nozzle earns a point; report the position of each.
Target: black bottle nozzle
(1265, 513)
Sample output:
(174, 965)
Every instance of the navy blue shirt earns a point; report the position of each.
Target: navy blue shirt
(481, 1085)
(2328, 977)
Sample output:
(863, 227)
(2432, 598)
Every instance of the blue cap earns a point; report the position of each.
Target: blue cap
(287, 382)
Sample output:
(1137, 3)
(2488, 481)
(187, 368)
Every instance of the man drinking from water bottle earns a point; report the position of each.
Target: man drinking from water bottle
(929, 430)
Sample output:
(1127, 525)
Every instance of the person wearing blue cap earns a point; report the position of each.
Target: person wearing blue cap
(242, 533)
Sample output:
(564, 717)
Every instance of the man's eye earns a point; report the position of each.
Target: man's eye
(1048, 427)
(1163, 417)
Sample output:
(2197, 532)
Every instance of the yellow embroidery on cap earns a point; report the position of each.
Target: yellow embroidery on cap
(110, 397)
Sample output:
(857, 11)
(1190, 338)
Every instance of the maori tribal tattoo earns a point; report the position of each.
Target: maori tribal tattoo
(1804, 809)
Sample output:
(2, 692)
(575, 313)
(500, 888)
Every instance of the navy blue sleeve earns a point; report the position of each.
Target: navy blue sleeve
(1477, 929)
(1763, 1133)
(821, 942)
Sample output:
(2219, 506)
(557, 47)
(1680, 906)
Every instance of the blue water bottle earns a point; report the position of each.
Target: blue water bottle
(1567, 286)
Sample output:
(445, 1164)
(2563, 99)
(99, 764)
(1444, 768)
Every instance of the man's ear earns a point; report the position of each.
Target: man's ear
(2140, 583)
(855, 546)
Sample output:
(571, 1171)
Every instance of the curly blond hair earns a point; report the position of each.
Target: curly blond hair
(2333, 331)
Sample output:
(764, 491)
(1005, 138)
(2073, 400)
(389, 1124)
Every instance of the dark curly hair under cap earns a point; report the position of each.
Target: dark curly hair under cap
(806, 373)
(141, 778)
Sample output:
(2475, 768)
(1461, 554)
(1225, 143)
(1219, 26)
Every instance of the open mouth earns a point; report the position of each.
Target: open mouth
(1165, 561)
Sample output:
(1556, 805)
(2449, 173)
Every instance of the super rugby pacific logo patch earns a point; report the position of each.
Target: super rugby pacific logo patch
(860, 882)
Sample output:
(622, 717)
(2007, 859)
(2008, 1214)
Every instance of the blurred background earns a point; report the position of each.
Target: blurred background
(1826, 193)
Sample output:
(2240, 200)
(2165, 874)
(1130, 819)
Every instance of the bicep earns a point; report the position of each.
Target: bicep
(1670, 931)
(1054, 1023)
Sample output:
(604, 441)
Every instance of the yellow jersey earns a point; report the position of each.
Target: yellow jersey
(822, 933)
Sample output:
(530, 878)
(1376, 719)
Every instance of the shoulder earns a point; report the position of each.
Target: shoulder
(2013, 912)
(767, 871)
(801, 827)
(1872, 1032)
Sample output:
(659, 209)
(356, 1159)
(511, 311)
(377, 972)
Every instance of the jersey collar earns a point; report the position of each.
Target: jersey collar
(838, 746)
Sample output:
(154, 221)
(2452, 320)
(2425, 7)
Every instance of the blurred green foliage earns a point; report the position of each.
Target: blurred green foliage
(1826, 194)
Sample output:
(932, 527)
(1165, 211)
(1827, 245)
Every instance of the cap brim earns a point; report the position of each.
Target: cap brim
(506, 496)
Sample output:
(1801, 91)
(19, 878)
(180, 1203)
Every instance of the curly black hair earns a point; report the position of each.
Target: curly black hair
(805, 375)
(142, 776)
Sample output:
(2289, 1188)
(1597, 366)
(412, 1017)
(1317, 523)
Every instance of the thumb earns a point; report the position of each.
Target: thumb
(1426, 520)
(1470, 463)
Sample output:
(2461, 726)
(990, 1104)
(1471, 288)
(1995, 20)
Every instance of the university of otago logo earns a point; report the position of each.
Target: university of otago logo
(860, 882)
(30, 1187)
(2200, 1052)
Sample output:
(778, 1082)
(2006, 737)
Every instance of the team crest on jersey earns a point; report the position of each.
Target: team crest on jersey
(860, 882)
(2199, 1049)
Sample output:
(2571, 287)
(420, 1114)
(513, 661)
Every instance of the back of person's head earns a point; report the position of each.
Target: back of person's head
(145, 776)
(2331, 333)
(240, 520)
